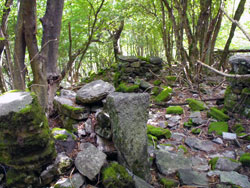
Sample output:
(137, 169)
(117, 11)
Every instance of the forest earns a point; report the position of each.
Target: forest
(87, 85)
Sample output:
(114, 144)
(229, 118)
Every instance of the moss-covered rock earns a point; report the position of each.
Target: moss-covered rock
(158, 131)
(128, 88)
(62, 134)
(164, 95)
(217, 114)
(174, 110)
(26, 142)
(218, 127)
(245, 159)
(168, 183)
(196, 105)
(115, 175)
(196, 130)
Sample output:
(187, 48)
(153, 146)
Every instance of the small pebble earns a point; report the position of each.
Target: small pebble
(229, 136)
(218, 140)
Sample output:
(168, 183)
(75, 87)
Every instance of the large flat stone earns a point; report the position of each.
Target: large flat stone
(128, 114)
(192, 178)
(94, 92)
(203, 145)
(169, 163)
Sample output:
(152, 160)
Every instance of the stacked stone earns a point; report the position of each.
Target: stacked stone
(26, 145)
(131, 67)
(237, 96)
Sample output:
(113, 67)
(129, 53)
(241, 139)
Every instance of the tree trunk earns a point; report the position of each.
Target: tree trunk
(237, 17)
(51, 34)
(39, 85)
(116, 37)
(19, 51)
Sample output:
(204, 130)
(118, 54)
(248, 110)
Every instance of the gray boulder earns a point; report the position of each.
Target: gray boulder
(130, 59)
(128, 115)
(94, 92)
(47, 176)
(169, 163)
(140, 183)
(68, 94)
(67, 107)
(103, 125)
(155, 60)
(192, 178)
(90, 160)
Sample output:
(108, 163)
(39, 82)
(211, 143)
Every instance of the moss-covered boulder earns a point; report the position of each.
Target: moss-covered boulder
(245, 159)
(218, 114)
(165, 95)
(62, 134)
(218, 127)
(115, 175)
(127, 88)
(174, 110)
(26, 143)
(196, 105)
(158, 131)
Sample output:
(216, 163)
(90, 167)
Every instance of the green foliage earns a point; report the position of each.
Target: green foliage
(189, 123)
(158, 131)
(245, 159)
(195, 105)
(218, 114)
(171, 78)
(238, 128)
(218, 127)
(174, 110)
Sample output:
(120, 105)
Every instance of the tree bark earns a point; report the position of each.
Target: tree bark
(39, 85)
(116, 37)
(51, 34)
(237, 17)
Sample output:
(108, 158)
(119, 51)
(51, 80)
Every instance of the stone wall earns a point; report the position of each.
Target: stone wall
(130, 67)
(237, 96)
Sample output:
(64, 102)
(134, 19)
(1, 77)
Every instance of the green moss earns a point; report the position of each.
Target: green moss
(127, 88)
(218, 127)
(156, 91)
(164, 95)
(213, 162)
(196, 131)
(188, 124)
(246, 91)
(116, 79)
(238, 128)
(218, 114)
(147, 59)
(115, 176)
(168, 183)
(230, 100)
(157, 82)
(196, 105)
(246, 137)
(151, 137)
(158, 131)
(174, 110)
(62, 136)
(245, 159)
(182, 147)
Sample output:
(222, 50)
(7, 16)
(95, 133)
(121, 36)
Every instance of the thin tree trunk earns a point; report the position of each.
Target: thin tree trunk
(51, 35)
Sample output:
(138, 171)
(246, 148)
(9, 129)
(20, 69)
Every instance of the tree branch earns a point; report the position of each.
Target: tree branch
(243, 76)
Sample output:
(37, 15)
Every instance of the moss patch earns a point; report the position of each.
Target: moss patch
(115, 176)
(196, 130)
(127, 88)
(158, 131)
(174, 110)
(213, 162)
(156, 91)
(188, 124)
(164, 95)
(218, 114)
(168, 183)
(218, 127)
(196, 105)
(245, 159)
(157, 82)
(182, 147)
(238, 128)
(171, 78)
